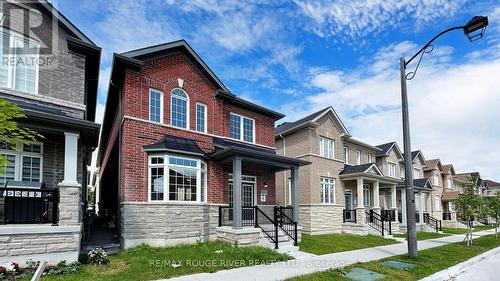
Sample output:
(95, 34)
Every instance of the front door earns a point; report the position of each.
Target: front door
(348, 205)
(247, 199)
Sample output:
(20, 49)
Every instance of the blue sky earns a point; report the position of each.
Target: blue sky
(298, 56)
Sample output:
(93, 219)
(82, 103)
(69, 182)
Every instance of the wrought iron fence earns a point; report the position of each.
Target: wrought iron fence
(349, 215)
(29, 206)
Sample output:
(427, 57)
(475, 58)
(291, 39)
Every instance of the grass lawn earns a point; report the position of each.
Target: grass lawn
(423, 235)
(149, 263)
(428, 262)
(332, 243)
(463, 230)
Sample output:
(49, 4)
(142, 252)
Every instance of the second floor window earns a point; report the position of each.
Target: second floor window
(402, 172)
(326, 147)
(155, 106)
(201, 118)
(392, 170)
(241, 128)
(19, 66)
(416, 173)
(358, 157)
(179, 109)
(346, 154)
(370, 158)
(436, 179)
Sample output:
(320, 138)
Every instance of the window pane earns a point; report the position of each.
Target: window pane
(200, 117)
(26, 55)
(235, 126)
(157, 184)
(179, 108)
(4, 71)
(182, 162)
(8, 170)
(155, 106)
(248, 128)
(31, 169)
(182, 184)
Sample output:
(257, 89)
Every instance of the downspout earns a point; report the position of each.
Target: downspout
(285, 190)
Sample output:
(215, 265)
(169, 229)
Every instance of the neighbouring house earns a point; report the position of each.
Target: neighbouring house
(177, 146)
(434, 172)
(492, 187)
(463, 179)
(52, 75)
(449, 195)
(341, 189)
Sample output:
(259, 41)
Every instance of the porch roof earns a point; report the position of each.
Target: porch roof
(369, 170)
(422, 184)
(270, 159)
(176, 145)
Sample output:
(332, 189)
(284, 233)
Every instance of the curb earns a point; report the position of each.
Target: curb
(452, 272)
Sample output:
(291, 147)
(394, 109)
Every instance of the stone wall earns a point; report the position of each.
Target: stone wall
(162, 224)
(321, 219)
(240, 237)
(39, 242)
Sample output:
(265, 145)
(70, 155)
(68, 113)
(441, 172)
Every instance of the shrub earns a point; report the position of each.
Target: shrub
(63, 268)
(98, 256)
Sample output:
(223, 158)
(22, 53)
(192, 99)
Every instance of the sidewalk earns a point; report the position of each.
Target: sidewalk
(292, 268)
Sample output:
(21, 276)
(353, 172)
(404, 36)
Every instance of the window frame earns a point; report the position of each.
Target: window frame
(346, 154)
(205, 129)
(368, 191)
(11, 70)
(187, 99)
(241, 129)
(358, 157)
(415, 171)
(329, 184)
(166, 173)
(369, 158)
(19, 154)
(161, 105)
(389, 166)
(330, 148)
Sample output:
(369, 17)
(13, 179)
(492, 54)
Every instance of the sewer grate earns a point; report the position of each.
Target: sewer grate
(361, 274)
(398, 264)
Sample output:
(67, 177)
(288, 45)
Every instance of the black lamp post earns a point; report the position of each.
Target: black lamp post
(474, 30)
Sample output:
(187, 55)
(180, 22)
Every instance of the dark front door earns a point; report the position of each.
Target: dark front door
(247, 199)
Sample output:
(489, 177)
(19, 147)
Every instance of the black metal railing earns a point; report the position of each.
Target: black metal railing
(286, 223)
(417, 216)
(269, 226)
(447, 216)
(432, 222)
(226, 216)
(389, 215)
(349, 215)
(378, 222)
(400, 217)
(29, 206)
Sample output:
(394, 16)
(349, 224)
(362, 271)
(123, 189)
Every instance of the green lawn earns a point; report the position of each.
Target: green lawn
(428, 262)
(149, 263)
(332, 243)
(463, 230)
(423, 235)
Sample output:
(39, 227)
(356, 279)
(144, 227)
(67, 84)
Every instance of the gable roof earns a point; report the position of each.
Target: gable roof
(417, 153)
(386, 148)
(448, 168)
(363, 168)
(433, 164)
(423, 183)
(492, 184)
(289, 127)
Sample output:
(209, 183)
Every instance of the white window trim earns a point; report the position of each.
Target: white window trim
(11, 79)
(333, 190)
(18, 176)
(369, 158)
(346, 154)
(166, 181)
(204, 118)
(367, 188)
(242, 138)
(187, 109)
(324, 154)
(246, 179)
(161, 105)
(389, 164)
(358, 157)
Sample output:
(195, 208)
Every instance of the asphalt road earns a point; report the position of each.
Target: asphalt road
(485, 270)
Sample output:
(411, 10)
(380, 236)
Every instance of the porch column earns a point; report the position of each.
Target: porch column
(70, 158)
(376, 197)
(393, 197)
(421, 209)
(360, 208)
(294, 178)
(403, 206)
(237, 192)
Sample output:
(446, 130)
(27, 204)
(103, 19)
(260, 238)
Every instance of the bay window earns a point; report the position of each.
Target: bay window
(183, 179)
(23, 164)
(19, 66)
(241, 128)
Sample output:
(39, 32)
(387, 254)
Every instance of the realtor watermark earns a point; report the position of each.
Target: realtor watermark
(29, 33)
(231, 263)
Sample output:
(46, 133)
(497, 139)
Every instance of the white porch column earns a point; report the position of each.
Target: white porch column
(70, 158)
(295, 192)
(393, 197)
(376, 197)
(421, 209)
(237, 218)
(403, 205)
(360, 208)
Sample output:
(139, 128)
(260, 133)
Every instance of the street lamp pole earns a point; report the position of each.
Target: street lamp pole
(474, 30)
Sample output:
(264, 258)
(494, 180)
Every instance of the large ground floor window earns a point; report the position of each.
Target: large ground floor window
(24, 163)
(327, 190)
(177, 178)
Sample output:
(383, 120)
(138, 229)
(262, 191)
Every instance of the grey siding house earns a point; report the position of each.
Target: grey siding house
(41, 186)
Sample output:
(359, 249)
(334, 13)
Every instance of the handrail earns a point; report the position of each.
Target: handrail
(289, 226)
(273, 235)
(432, 222)
(377, 222)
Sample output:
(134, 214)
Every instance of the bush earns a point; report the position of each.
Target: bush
(98, 256)
(63, 268)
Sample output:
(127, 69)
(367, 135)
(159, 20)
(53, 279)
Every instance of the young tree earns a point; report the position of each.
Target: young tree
(494, 205)
(10, 133)
(468, 206)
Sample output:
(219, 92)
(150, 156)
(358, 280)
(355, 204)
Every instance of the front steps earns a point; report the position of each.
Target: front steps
(285, 245)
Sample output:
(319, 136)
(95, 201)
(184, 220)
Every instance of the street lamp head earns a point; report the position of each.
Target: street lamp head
(475, 28)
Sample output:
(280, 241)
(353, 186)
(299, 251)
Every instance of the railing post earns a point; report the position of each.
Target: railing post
(343, 215)
(390, 227)
(382, 220)
(296, 234)
(355, 217)
(55, 206)
(256, 223)
(220, 216)
(275, 227)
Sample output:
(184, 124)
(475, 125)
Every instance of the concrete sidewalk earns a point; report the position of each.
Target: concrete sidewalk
(292, 268)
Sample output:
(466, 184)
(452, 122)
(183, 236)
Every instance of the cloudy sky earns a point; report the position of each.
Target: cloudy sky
(297, 57)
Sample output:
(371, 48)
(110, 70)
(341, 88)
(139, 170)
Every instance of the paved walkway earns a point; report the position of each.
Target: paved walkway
(292, 268)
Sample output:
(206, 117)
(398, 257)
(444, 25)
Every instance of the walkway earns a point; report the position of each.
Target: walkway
(292, 268)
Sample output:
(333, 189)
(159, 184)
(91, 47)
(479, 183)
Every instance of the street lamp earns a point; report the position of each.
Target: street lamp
(474, 30)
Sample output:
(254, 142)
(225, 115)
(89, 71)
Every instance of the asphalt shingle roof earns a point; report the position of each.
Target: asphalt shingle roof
(414, 154)
(417, 183)
(287, 125)
(227, 143)
(173, 143)
(385, 148)
(348, 169)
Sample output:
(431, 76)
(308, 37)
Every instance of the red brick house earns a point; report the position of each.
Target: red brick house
(173, 139)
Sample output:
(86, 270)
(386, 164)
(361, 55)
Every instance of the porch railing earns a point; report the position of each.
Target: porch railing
(432, 222)
(226, 216)
(349, 215)
(29, 206)
(447, 216)
(378, 222)
(286, 223)
(389, 215)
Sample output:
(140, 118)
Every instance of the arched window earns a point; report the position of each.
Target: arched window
(179, 111)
